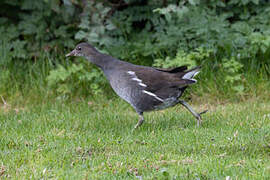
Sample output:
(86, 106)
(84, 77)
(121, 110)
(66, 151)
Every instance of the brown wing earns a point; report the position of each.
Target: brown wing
(173, 70)
(156, 80)
(179, 71)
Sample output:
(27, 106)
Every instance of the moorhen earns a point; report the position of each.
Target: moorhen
(144, 88)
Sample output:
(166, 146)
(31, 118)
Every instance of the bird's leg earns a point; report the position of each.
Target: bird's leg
(141, 119)
(196, 115)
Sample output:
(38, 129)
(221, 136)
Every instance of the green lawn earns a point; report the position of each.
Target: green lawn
(88, 140)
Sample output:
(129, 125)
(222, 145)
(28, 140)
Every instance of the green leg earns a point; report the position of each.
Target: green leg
(196, 115)
(140, 122)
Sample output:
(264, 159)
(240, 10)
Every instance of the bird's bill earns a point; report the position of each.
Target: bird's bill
(72, 53)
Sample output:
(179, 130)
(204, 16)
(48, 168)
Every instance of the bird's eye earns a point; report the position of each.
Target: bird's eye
(79, 48)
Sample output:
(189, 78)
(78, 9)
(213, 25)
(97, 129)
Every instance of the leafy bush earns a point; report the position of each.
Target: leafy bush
(223, 36)
(233, 75)
(192, 59)
(32, 27)
(75, 78)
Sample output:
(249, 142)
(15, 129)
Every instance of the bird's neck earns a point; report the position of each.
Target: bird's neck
(102, 60)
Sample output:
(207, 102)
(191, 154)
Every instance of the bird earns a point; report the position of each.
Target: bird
(144, 88)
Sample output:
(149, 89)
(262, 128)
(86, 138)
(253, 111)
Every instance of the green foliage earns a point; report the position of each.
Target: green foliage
(32, 27)
(10, 46)
(75, 78)
(94, 26)
(4, 79)
(223, 35)
(192, 59)
(233, 75)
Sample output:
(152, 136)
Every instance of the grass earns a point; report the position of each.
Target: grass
(90, 140)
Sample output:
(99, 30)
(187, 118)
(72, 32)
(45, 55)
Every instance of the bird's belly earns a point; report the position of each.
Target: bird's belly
(139, 99)
(127, 93)
(167, 103)
(143, 102)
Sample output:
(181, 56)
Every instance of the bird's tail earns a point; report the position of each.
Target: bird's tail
(190, 74)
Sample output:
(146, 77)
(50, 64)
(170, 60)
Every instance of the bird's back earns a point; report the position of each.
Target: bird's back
(147, 88)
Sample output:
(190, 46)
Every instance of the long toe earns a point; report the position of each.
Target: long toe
(205, 111)
(199, 119)
(138, 124)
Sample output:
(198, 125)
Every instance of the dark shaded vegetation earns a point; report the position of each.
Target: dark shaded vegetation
(230, 39)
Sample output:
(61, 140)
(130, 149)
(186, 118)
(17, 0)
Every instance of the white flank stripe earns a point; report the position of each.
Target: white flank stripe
(188, 75)
(136, 79)
(152, 94)
(196, 73)
(141, 84)
(193, 80)
(131, 72)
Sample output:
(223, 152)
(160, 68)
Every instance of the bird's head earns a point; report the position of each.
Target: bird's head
(83, 49)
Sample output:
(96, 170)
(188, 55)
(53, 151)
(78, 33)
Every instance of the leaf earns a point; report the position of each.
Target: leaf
(80, 35)
(194, 2)
(255, 1)
(239, 88)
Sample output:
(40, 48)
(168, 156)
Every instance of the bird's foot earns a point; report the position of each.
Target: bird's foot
(138, 124)
(199, 118)
(203, 112)
(140, 121)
